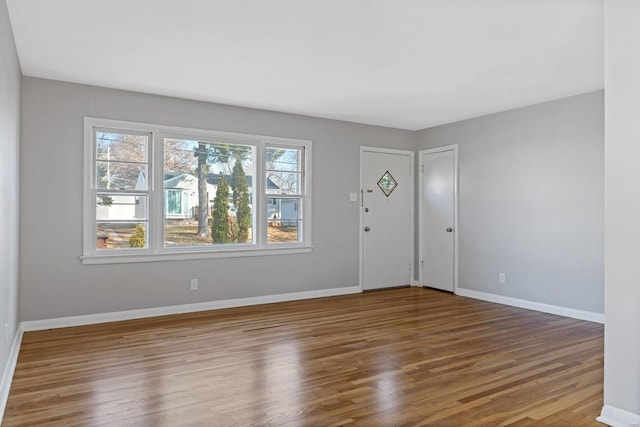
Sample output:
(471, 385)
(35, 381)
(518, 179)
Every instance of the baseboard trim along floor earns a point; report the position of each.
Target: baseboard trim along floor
(91, 319)
(615, 417)
(531, 305)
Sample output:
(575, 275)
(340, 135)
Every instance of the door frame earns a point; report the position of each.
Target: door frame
(456, 233)
(411, 260)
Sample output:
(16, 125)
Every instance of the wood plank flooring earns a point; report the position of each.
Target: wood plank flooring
(401, 357)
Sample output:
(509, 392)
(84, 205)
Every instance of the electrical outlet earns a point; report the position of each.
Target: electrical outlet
(194, 284)
(502, 278)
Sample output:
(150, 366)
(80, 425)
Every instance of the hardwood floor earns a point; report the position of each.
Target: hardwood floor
(389, 358)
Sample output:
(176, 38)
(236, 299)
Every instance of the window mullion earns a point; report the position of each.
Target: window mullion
(261, 198)
(156, 216)
(90, 194)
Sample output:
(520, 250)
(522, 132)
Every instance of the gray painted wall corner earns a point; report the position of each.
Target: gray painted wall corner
(531, 191)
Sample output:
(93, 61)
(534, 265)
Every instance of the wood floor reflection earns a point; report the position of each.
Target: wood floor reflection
(398, 357)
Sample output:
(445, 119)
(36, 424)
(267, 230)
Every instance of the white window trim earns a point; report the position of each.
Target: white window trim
(155, 250)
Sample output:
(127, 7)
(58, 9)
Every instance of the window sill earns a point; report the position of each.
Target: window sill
(182, 256)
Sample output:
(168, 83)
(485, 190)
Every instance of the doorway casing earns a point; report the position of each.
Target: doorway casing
(411, 261)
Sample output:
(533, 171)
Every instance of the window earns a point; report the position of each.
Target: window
(219, 176)
(156, 192)
(283, 192)
(121, 191)
(177, 203)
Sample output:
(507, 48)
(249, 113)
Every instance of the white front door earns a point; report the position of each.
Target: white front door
(438, 168)
(386, 217)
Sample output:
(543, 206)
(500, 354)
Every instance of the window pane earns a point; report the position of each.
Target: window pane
(120, 235)
(121, 176)
(283, 231)
(124, 147)
(283, 182)
(120, 206)
(283, 220)
(216, 176)
(283, 208)
(284, 159)
(121, 160)
(174, 200)
(284, 170)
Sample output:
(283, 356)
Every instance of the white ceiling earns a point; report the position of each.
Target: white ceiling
(408, 64)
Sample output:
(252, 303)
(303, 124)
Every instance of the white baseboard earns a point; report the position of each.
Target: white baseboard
(531, 305)
(618, 417)
(7, 375)
(416, 283)
(90, 319)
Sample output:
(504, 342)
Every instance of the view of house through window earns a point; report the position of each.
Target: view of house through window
(168, 190)
(208, 193)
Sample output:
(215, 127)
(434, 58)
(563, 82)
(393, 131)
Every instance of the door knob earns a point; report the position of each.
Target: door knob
(449, 230)
(367, 229)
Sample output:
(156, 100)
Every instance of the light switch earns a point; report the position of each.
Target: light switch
(353, 197)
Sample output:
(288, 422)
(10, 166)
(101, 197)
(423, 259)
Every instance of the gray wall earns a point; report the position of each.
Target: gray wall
(531, 196)
(9, 198)
(622, 189)
(55, 284)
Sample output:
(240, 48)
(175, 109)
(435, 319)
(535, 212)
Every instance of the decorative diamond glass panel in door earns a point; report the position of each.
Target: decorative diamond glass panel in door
(387, 184)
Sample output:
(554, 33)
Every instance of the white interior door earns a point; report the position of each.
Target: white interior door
(438, 218)
(386, 218)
